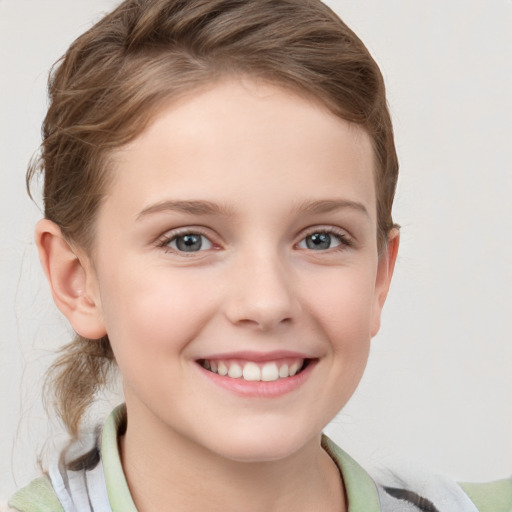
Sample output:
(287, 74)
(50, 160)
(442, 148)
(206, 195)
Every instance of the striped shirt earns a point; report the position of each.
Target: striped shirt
(95, 482)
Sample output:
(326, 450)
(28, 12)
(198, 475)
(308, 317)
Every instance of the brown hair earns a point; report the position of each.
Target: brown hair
(114, 77)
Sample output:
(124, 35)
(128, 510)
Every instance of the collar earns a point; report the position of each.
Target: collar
(361, 489)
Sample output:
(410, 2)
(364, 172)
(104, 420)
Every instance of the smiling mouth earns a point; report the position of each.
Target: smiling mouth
(251, 371)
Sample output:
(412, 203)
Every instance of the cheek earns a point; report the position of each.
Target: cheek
(344, 308)
(345, 312)
(154, 312)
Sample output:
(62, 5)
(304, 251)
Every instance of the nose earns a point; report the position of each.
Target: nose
(262, 294)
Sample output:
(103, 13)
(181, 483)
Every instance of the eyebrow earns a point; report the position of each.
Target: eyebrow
(201, 207)
(191, 207)
(329, 205)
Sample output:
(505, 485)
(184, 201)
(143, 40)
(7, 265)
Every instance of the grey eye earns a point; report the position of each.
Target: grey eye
(320, 241)
(190, 242)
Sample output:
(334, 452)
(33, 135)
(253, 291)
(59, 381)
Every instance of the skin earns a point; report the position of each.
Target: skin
(277, 168)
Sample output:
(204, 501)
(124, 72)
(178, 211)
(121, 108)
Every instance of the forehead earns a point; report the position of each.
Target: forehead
(245, 140)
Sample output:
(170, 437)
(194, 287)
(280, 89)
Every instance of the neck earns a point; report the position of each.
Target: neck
(168, 468)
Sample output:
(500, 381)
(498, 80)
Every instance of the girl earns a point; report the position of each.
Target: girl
(218, 185)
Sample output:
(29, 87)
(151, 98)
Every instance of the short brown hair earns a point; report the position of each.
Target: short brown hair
(114, 77)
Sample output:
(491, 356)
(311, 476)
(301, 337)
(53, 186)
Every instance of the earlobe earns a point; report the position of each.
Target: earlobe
(70, 281)
(386, 266)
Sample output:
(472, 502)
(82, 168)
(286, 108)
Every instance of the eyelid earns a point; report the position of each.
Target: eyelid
(163, 240)
(346, 240)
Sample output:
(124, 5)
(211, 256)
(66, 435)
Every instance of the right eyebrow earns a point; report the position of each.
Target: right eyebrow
(329, 205)
(191, 207)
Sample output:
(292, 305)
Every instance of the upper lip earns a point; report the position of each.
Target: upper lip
(259, 356)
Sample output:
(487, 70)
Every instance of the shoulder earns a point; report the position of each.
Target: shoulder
(76, 479)
(66, 485)
(491, 497)
(38, 496)
(436, 493)
(78, 486)
(412, 489)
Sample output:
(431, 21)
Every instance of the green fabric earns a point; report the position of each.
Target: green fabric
(117, 487)
(491, 497)
(362, 493)
(37, 496)
(360, 488)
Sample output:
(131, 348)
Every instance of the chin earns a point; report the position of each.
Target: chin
(261, 445)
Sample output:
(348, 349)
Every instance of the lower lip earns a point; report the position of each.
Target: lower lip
(260, 389)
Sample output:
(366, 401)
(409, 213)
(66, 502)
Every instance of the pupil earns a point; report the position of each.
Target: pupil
(318, 241)
(189, 243)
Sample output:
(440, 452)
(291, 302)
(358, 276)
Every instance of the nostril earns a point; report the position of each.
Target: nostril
(263, 323)
(265, 301)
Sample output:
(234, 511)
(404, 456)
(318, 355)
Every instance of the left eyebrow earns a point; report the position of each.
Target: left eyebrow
(191, 207)
(329, 205)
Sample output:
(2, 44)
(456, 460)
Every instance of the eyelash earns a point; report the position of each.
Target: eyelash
(165, 240)
(345, 241)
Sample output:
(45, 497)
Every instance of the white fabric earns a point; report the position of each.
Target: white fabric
(445, 494)
(81, 491)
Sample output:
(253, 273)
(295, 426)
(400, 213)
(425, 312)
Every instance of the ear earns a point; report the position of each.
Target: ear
(72, 281)
(385, 268)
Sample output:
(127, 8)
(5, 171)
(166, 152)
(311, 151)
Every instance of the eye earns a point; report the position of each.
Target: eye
(188, 242)
(323, 240)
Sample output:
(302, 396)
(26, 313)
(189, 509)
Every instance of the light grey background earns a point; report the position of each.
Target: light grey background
(438, 385)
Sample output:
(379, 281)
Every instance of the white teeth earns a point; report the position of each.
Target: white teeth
(269, 372)
(222, 369)
(235, 371)
(251, 371)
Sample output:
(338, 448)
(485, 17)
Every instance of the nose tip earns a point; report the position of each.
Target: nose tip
(262, 298)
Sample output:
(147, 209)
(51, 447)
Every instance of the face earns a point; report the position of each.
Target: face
(236, 270)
